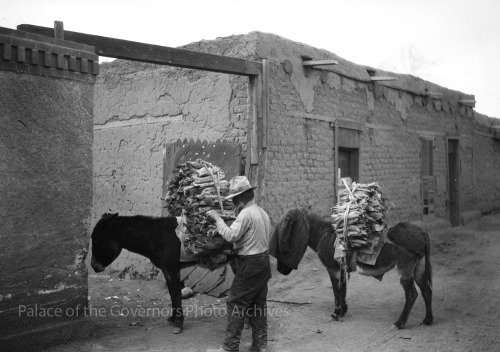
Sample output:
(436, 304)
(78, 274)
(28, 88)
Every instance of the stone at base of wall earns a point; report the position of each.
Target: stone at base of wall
(48, 336)
(468, 216)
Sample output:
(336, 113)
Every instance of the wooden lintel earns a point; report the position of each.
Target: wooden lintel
(382, 78)
(350, 124)
(341, 123)
(156, 54)
(434, 95)
(319, 62)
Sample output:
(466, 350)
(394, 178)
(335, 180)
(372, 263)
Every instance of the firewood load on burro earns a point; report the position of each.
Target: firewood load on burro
(360, 223)
(197, 187)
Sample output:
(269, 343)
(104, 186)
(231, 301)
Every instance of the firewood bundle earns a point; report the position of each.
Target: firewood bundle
(360, 217)
(197, 187)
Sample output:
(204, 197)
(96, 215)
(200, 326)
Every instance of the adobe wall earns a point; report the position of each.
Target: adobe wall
(46, 99)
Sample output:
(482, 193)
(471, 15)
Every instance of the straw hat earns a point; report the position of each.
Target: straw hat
(238, 185)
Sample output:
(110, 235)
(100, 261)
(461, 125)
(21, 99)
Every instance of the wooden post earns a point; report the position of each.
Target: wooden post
(254, 107)
(263, 94)
(336, 160)
(265, 102)
(168, 168)
(258, 89)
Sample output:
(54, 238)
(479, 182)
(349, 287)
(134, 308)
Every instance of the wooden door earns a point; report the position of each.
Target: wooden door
(428, 179)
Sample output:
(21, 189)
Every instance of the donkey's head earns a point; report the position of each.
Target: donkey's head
(105, 247)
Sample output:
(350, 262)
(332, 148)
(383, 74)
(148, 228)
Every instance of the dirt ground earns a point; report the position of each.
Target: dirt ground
(466, 302)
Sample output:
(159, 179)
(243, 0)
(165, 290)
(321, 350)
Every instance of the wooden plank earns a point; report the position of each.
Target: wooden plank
(186, 271)
(224, 286)
(196, 276)
(156, 54)
(319, 62)
(210, 281)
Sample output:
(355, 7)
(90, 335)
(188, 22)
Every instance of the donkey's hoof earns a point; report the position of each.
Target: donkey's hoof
(399, 325)
(335, 316)
(177, 329)
(340, 311)
(428, 321)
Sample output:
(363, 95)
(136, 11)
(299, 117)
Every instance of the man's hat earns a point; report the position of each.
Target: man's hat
(238, 185)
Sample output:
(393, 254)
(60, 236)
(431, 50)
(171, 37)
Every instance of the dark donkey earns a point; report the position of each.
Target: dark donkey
(154, 238)
(408, 250)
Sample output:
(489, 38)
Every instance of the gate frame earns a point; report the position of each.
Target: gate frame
(257, 73)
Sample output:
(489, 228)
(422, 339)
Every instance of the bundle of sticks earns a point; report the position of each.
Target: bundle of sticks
(360, 218)
(197, 187)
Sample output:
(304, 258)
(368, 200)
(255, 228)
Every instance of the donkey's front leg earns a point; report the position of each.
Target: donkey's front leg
(339, 285)
(173, 278)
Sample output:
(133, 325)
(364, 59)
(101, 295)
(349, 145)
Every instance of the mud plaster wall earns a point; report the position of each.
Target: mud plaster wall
(140, 108)
(46, 199)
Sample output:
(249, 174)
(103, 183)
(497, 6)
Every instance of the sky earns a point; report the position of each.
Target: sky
(453, 43)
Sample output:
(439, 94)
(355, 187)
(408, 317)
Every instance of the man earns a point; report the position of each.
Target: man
(249, 234)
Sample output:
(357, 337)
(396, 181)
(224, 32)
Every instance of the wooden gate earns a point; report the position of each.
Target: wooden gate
(230, 159)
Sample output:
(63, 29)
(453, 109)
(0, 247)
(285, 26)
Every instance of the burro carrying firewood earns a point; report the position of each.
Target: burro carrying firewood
(360, 223)
(357, 238)
(197, 187)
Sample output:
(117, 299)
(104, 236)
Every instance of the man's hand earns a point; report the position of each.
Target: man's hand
(213, 214)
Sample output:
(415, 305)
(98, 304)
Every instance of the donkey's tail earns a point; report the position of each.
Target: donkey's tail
(428, 266)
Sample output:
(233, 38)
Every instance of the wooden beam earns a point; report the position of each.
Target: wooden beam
(434, 95)
(342, 123)
(468, 102)
(382, 78)
(306, 115)
(319, 62)
(162, 55)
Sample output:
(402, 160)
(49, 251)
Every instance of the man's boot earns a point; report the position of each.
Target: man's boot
(235, 323)
(258, 321)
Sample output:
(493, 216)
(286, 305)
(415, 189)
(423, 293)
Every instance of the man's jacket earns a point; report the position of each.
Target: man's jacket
(289, 240)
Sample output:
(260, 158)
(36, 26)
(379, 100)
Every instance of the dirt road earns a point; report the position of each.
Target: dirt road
(129, 315)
